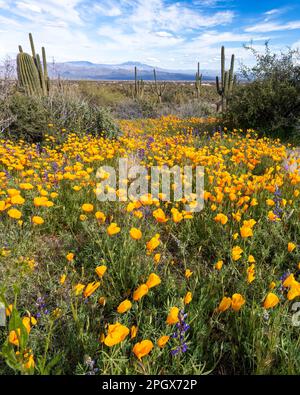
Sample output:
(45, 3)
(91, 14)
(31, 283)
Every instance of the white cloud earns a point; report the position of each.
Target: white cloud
(48, 11)
(28, 6)
(154, 60)
(163, 34)
(214, 37)
(156, 15)
(8, 22)
(273, 11)
(178, 33)
(108, 10)
(272, 27)
(3, 4)
(211, 3)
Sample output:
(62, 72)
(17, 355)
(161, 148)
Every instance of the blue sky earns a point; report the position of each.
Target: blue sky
(165, 33)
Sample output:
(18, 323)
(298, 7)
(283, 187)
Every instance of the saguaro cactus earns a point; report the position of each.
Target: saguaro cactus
(139, 86)
(33, 77)
(28, 75)
(159, 88)
(198, 81)
(225, 86)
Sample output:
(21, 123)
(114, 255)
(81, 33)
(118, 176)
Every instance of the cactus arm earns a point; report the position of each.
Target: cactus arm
(232, 64)
(231, 75)
(41, 74)
(46, 77)
(222, 66)
(219, 90)
(226, 82)
(32, 45)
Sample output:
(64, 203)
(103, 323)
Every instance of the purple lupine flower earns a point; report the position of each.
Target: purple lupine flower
(54, 167)
(284, 276)
(149, 142)
(181, 328)
(7, 174)
(282, 279)
(38, 148)
(92, 370)
(147, 212)
(41, 307)
(141, 153)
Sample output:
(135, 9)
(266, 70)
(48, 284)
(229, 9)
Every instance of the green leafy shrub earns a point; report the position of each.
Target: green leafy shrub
(29, 118)
(269, 100)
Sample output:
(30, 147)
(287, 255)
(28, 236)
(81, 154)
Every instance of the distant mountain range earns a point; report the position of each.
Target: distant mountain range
(83, 70)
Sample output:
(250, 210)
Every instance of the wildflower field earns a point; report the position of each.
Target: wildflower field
(147, 286)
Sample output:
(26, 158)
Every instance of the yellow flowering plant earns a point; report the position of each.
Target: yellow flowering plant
(122, 281)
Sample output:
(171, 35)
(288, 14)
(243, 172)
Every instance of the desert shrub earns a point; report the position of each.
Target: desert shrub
(6, 116)
(269, 100)
(103, 95)
(69, 110)
(7, 88)
(183, 92)
(192, 108)
(146, 108)
(29, 118)
(132, 109)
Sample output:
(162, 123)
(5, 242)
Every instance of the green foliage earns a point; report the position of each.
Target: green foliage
(70, 111)
(270, 99)
(100, 94)
(29, 118)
